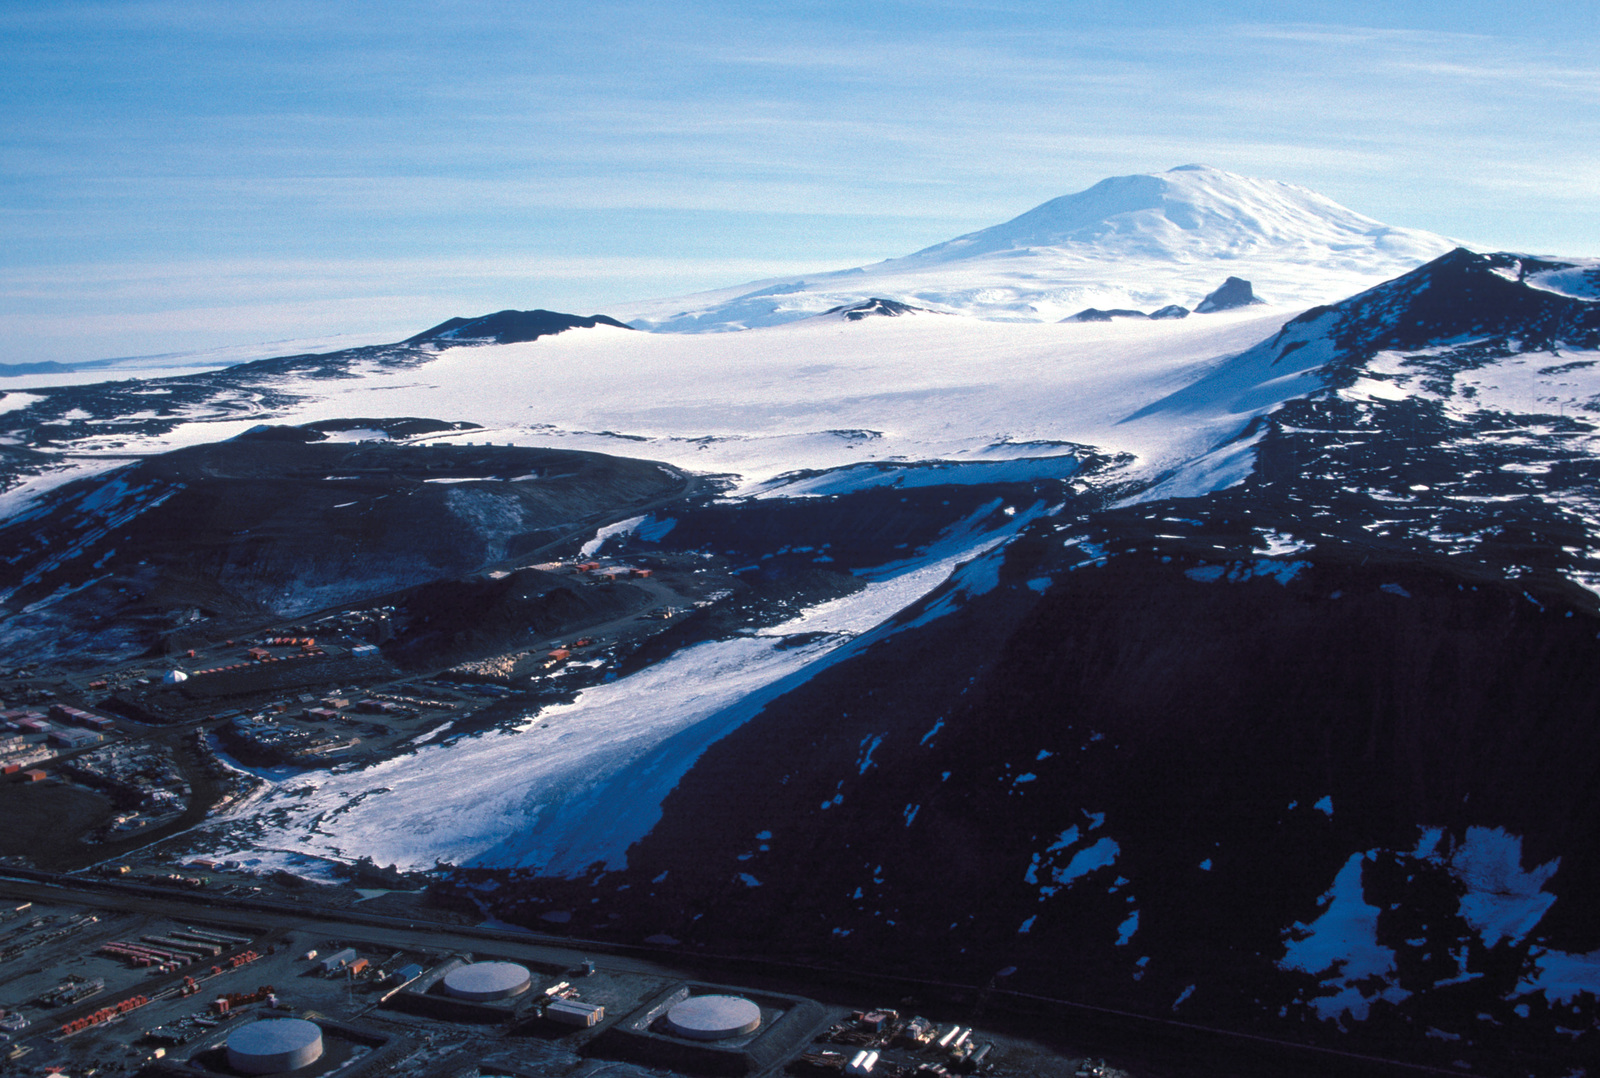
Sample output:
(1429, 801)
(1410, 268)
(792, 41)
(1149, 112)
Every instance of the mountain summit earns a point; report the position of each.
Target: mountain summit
(1138, 241)
(1192, 211)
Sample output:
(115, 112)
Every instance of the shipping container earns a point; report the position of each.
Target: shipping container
(570, 1012)
(862, 1063)
(338, 960)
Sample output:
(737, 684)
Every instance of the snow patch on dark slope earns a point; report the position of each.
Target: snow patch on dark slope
(1577, 279)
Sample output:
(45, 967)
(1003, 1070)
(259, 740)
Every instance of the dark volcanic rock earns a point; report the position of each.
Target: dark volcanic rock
(392, 426)
(274, 526)
(508, 327)
(1180, 717)
(1460, 295)
(1094, 314)
(1234, 292)
(887, 308)
(1171, 310)
(445, 622)
(274, 433)
(1140, 758)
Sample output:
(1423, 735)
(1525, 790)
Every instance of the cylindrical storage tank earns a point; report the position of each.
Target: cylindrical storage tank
(274, 1046)
(713, 1018)
(486, 981)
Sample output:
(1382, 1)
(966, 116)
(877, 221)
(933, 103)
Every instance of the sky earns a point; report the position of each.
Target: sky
(179, 175)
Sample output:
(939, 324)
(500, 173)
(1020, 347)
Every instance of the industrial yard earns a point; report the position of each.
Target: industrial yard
(112, 984)
(141, 752)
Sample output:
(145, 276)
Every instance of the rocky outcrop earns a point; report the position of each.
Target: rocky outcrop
(876, 306)
(1234, 292)
(1094, 314)
(508, 327)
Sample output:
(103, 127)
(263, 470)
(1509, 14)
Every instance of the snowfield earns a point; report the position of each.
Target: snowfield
(821, 394)
(818, 395)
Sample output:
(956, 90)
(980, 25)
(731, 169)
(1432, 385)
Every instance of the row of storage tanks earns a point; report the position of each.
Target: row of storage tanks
(282, 1045)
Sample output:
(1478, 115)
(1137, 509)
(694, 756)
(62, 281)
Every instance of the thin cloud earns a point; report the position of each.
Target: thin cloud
(582, 160)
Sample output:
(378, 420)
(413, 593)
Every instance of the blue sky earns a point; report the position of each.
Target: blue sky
(178, 175)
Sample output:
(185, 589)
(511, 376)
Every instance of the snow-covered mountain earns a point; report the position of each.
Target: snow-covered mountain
(1143, 242)
(1238, 667)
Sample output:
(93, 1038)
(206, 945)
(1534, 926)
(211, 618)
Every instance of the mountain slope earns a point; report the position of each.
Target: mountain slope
(1143, 241)
(271, 526)
(1236, 669)
(1309, 754)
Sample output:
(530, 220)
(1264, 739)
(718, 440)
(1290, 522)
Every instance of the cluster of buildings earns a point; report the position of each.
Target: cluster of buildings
(413, 704)
(500, 667)
(266, 738)
(118, 680)
(885, 1044)
(296, 730)
(166, 996)
(276, 649)
(178, 949)
(374, 624)
(242, 655)
(143, 780)
(505, 667)
(30, 738)
(594, 572)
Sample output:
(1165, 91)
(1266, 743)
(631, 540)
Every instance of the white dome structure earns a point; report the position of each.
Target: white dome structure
(274, 1046)
(173, 677)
